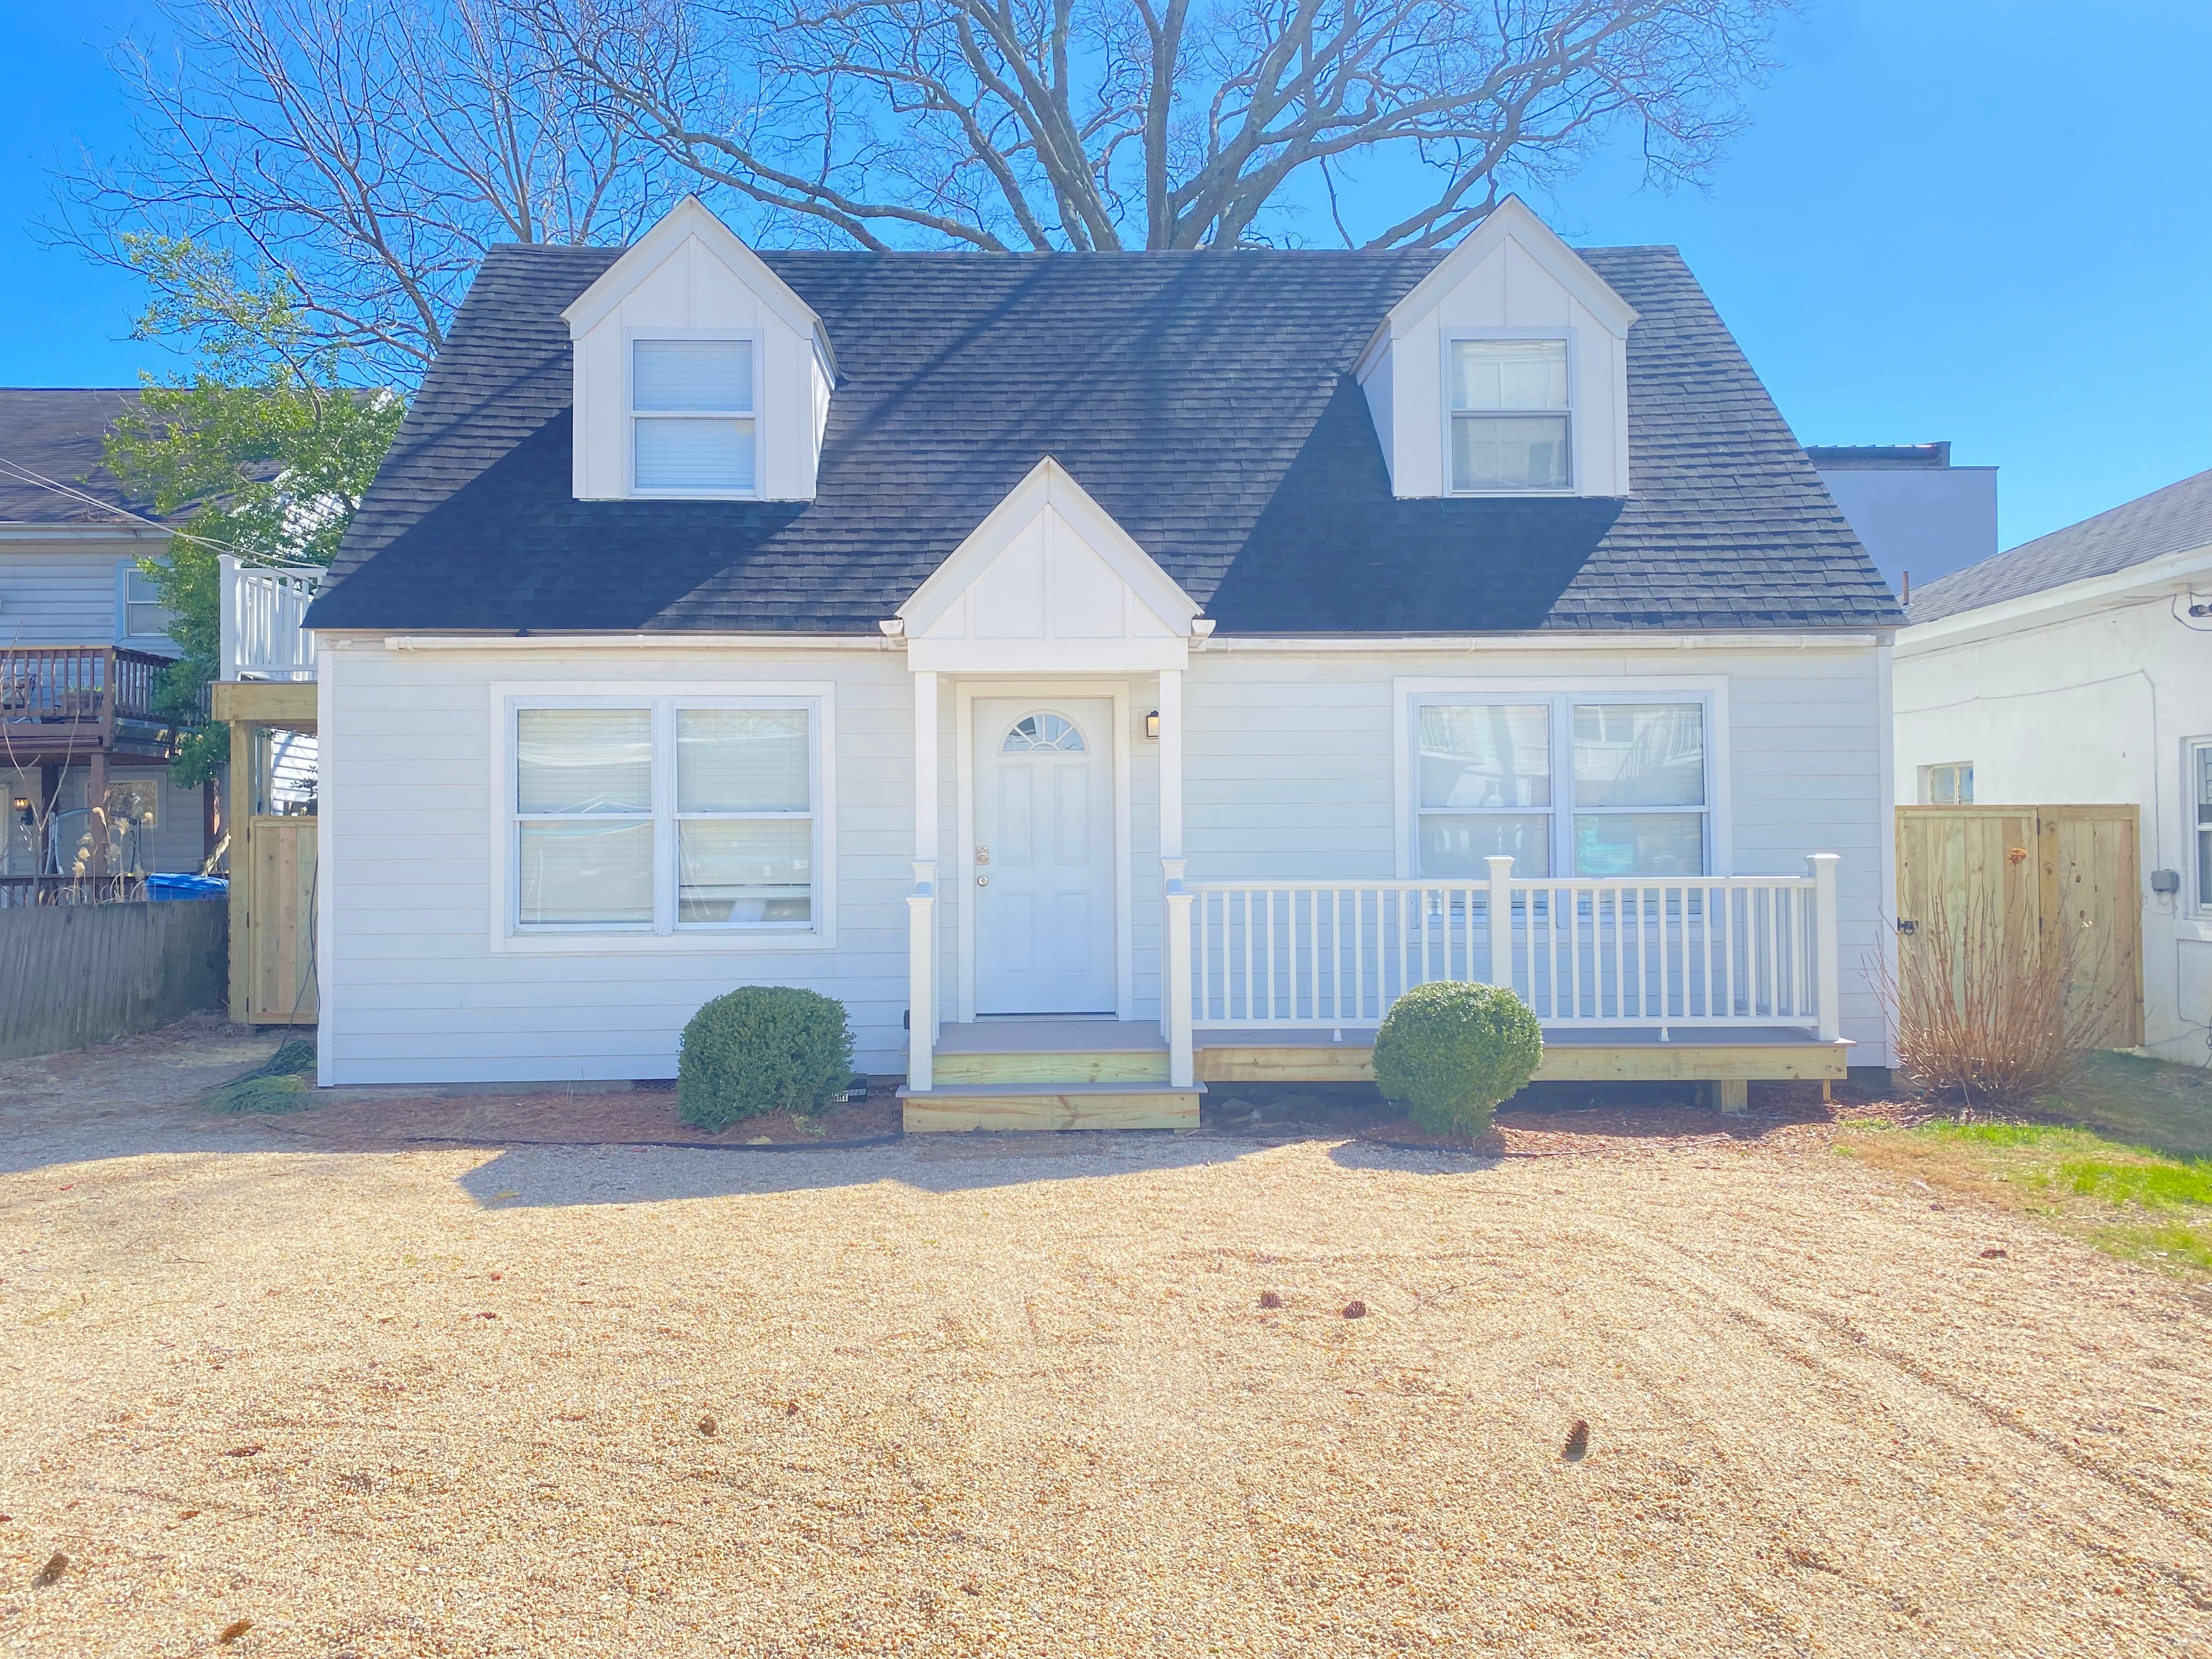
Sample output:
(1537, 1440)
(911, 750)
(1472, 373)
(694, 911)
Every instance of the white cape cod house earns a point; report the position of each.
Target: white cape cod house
(1102, 673)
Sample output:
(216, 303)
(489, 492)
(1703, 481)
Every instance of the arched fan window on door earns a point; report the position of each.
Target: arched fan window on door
(1042, 731)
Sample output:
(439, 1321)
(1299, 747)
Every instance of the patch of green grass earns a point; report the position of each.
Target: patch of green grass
(2131, 1201)
(2145, 1102)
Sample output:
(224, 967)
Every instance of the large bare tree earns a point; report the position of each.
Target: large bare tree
(1159, 124)
(365, 152)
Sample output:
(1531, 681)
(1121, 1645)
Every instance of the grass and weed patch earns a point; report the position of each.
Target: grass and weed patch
(2132, 1201)
(279, 1084)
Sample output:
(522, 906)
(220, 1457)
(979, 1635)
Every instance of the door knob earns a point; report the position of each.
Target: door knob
(982, 881)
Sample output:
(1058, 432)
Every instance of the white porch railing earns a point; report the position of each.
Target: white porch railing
(262, 609)
(1704, 952)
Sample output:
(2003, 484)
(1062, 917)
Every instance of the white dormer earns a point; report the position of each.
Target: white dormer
(1504, 371)
(700, 375)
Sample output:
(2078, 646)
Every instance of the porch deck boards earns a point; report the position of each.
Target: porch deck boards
(1571, 1054)
(1092, 1074)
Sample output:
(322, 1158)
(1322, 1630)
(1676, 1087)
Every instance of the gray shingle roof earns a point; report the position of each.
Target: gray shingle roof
(56, 433)
(2175, 520)
(1204, 400)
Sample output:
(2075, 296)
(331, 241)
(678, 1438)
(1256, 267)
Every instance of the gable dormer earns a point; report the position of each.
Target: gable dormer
(1505, 371)
(1050, 583)
(700, 375)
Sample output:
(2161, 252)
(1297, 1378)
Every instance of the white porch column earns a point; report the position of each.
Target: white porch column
(1171, 763)
(1501, 920)
(1829, 956)
(921, 903)
(1175, 979)
(1174, 944)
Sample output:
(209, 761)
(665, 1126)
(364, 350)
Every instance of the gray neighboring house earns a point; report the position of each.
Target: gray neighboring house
(82, 632)
(1919, 517)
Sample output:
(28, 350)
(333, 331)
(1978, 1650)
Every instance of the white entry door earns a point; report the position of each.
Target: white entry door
(1044, 856)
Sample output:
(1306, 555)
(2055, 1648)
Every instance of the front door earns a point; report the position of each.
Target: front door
(1044, 856)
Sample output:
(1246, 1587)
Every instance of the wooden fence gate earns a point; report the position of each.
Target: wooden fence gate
(2063, 880)
(273, 964)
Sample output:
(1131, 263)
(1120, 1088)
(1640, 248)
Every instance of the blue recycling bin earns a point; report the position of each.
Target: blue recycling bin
(160, 888)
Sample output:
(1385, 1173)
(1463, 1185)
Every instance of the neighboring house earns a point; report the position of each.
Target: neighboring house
(1122, 669)
(81, 634)
(2078, 668)
(1919, 517)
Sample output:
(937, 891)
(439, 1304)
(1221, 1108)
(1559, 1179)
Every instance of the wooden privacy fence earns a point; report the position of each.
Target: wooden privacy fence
(273, 969)
(73, 975)
(2061, 883)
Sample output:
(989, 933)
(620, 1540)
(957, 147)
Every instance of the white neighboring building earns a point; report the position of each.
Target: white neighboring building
(2078, 668)
(1103, 673)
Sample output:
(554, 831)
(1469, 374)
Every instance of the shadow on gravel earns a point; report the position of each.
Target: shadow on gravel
(527, 1178)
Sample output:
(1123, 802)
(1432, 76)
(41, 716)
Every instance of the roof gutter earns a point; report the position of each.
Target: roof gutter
(666, 641)
(2134, 583)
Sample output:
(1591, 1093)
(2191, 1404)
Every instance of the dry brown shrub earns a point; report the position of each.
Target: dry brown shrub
(1988, 1015)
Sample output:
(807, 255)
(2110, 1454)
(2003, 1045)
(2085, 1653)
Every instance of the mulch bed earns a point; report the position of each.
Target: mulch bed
(1547, 1120)
(587, 1114)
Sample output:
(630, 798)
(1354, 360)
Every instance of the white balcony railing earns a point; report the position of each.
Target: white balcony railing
(1704, 952)
(262, 609)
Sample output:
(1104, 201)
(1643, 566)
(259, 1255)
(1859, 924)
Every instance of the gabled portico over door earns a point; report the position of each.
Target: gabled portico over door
(1046, 613)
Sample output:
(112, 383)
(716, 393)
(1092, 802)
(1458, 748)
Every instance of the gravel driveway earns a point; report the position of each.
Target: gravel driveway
(1006, 1395)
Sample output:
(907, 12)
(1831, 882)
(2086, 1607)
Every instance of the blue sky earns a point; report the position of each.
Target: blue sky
(1985, 222)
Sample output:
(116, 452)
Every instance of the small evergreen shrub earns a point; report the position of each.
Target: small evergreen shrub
(1452, 1052)
(762, 1048)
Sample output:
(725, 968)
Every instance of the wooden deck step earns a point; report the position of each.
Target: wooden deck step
(1055, 1067)
(1064, 1106)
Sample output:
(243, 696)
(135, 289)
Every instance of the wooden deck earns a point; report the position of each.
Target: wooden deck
(1108, 1075)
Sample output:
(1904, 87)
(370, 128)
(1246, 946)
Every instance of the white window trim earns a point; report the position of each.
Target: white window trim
(1409, 694)
(631, 416)
(124, 570)
(664, 936)
(1450, 335)
(1928, 781)
(2191, 749)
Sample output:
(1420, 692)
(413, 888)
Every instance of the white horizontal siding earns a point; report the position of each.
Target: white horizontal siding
(1289, 774)
(1290, 771)
(415, 990)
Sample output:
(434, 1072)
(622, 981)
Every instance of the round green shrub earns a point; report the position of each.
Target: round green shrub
(762, 1048)
(1452, 1052)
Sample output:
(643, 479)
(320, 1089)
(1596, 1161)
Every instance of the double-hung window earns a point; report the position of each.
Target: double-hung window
(669, 815)
(692, 429)
(2200, 797)
(140, 613)
(1510, 423)
(1565, 785)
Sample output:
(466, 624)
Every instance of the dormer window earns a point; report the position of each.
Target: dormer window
(692, 417)
(1510, 423)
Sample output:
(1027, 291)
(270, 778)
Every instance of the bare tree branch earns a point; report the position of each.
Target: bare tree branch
(1159, 123)
(371, 150)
